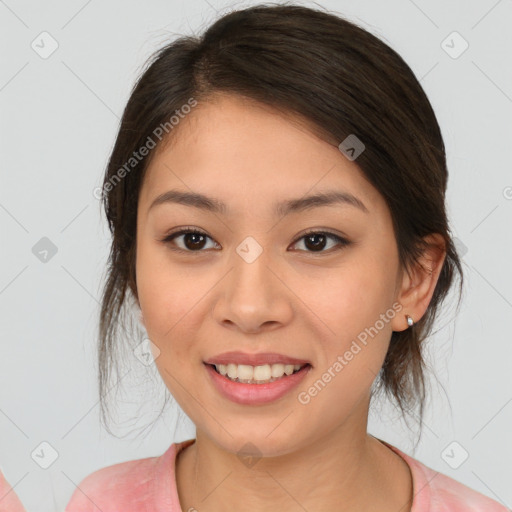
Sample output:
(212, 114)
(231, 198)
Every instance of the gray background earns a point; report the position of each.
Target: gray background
(59, 117)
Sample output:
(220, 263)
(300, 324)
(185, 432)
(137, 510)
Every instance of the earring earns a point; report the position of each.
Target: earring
(410, 321)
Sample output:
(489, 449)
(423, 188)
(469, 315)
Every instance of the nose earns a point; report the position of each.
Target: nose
(253, 296)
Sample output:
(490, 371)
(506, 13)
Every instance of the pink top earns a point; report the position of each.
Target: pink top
(9, 502)
(150, 485)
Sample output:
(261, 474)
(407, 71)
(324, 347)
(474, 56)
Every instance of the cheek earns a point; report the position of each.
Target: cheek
(349, 360)
(356, 305)
(169, 303)
(353, 297)
(165, 294)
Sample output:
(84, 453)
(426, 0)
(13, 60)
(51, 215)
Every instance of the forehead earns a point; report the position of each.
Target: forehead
(246, 153)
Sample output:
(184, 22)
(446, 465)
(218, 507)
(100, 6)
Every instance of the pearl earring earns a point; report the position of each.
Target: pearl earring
(410, 321)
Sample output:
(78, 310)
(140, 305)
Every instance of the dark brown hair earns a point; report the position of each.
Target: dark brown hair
(341, 80)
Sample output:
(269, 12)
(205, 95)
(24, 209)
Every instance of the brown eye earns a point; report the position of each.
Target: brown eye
(192, 240)
(316, 241)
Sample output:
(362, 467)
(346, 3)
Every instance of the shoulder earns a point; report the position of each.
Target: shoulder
(127, 486)
(9, 501)
(453, 496)
(435, 491)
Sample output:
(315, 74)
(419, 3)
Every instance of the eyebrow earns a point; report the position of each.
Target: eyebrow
(282, 208)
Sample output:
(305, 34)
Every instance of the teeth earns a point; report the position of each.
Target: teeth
(256, 374)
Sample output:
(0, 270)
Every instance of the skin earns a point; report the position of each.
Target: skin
(291, 300)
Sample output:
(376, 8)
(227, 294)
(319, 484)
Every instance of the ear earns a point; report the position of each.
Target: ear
(418, 283)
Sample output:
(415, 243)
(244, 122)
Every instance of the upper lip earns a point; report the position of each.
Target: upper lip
(254, 359)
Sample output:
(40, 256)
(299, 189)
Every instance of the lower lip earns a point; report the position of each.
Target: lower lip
(255, 394)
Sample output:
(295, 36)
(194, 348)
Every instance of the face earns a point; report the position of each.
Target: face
(254, 281)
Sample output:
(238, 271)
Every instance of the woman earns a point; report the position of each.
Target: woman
(276, 196)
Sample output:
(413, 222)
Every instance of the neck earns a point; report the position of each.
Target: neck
(345, 470)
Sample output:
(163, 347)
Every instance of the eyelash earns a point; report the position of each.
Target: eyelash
(340, 240)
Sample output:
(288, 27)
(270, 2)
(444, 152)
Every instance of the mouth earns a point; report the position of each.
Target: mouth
(263, 374)
(256, 386)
